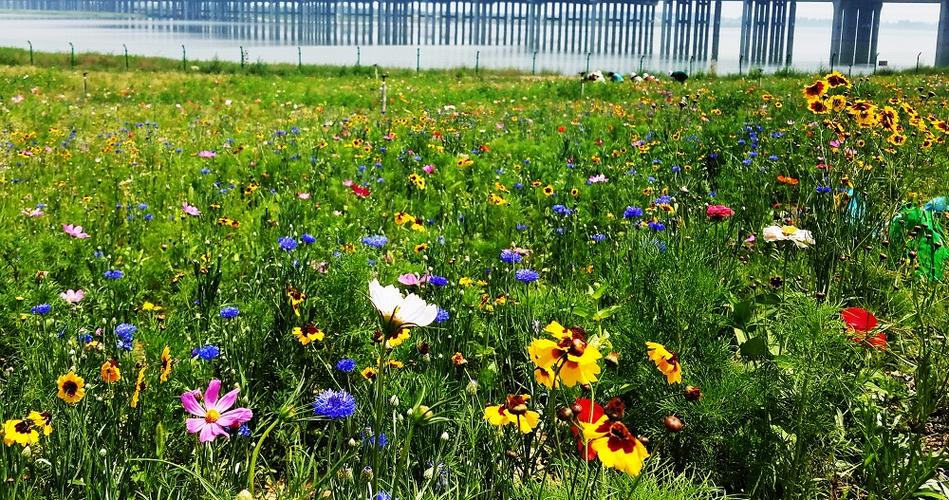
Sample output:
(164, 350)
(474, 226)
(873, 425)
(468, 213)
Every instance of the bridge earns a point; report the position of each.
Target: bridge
(688, 29)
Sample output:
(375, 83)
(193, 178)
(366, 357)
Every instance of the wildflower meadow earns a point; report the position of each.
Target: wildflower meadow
(251, 283)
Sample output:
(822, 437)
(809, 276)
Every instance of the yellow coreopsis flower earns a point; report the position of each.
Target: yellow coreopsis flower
(513, 411)
(72, 388)
(568, 357)
(666, 362)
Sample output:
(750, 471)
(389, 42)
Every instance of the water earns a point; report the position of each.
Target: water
(207, 40)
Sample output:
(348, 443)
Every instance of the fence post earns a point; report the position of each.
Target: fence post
(641, 63)
(477, 61)
(126, 49)
(741, 59)
(299, 59)
(917, 62)
(691, 60)
(418, 59)
(31, 51)
(384, 89)
(242, 56)
(534, 63)
(184, 58)
(588, 62)
(72, 55)
(358, 55)
(833, 57)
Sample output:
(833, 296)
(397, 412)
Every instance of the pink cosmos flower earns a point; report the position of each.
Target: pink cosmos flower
(718, 212)
(190, 210)
(75, 231)
(429, 169)
(597, 179)
(303, 196)
(32, 212)
(206, 154)
(348, 183)
(73, 296)
(413, 279)
(213, 417)
(17, 99)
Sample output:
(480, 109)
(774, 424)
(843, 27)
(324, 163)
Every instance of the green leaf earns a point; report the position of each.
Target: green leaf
(606, 313)
(756, 348)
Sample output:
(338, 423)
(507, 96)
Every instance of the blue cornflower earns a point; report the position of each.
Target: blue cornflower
(41, 309)
(308, 238)
(442, 316)
(510, 256)
(334, 405)
(205, 352)
(381, 495)
(562, 210)
(287, 244)
(382, 441)
(205, 171)
(676, 169)
(149, 217)
(664, 200)
(113, 274)
(657, 226)
(143, 206)
(746, 162)
(773, 157)
(823, 189)
(598, 237)
(126, 333)
(85, 338)
(375, 241)
(244, 431)
(346, 365)
(526, 275)
(632, 213)
(438, 280)
(229, 312)
(521, 227)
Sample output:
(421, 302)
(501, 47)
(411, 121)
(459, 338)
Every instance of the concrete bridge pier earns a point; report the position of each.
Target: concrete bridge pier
(942, 37)
(767, 31)
(855, 31)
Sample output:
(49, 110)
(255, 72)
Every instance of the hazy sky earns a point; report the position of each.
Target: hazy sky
(891, 12)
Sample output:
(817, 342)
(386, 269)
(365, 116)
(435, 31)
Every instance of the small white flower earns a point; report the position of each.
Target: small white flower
(400, 311)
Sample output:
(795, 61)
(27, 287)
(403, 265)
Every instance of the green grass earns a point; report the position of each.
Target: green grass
(792, 406)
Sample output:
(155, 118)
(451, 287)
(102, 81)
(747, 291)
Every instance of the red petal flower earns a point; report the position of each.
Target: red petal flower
(859, 319)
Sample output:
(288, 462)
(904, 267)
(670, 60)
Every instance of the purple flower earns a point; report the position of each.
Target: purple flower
(229, 312)
(41, 309)
(632, 213)
(510, 256)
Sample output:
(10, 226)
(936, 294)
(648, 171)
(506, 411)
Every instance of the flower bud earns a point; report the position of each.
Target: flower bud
(673, 423)
(693, 393)
(564, 413)
(445, 436)
(612, 359)
(472, 387)
(244, 495)
(367, 472)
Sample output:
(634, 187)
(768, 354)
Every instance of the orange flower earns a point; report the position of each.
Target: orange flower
(601, 434)
(110, 371)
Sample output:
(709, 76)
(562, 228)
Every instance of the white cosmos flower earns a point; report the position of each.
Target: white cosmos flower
(400, 311)
(802, 238)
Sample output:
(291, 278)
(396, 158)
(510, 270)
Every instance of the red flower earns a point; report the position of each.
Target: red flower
(859, 319)
(589, 413)
(718, 212)
(360, 191)
(561, 129)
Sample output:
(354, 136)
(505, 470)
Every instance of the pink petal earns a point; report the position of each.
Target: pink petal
(236, 416)
(195, 425)
(191, 404)
(211, 431)
(210, 395)
(227, 401)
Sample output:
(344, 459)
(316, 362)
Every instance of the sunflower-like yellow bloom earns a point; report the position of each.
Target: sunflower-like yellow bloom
(567, 359)
(166, 363)
(72, 388)
(666, 362)
(513, 411)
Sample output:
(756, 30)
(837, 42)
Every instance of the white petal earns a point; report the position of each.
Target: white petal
(385, 299)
